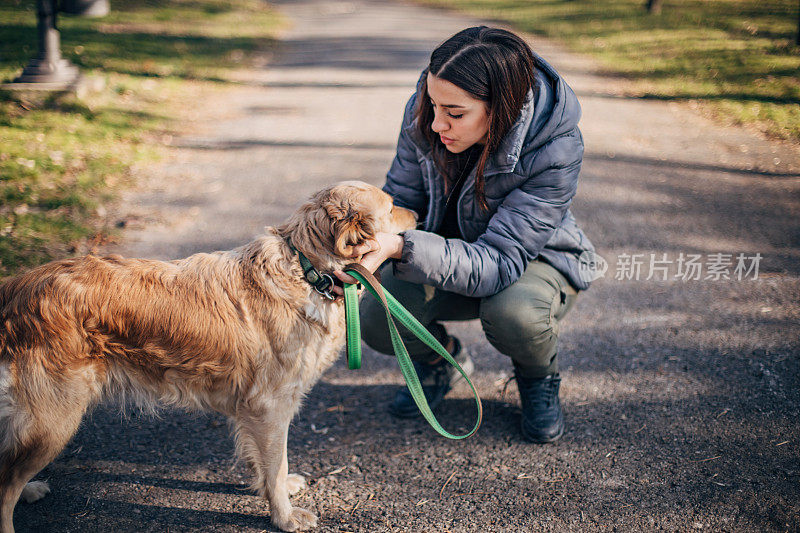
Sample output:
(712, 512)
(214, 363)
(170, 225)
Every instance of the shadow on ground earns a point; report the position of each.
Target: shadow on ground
(660, 445)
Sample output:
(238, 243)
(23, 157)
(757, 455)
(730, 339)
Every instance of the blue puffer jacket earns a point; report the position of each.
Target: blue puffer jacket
(529, 183)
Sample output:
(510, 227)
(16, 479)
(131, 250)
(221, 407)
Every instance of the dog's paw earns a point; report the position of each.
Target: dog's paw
(295, 483)
(35, 490)
(299, 520)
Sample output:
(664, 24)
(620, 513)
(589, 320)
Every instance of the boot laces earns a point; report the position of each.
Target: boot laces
(541, 393)
(432, 375)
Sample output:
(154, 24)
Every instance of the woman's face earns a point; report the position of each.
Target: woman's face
(460, 119)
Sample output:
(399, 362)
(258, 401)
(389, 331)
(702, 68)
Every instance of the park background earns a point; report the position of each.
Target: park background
(201, 121)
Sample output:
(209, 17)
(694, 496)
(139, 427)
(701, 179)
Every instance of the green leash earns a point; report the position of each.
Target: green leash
(393, 307)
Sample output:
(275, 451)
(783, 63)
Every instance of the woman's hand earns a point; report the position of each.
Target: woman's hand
(387, 246)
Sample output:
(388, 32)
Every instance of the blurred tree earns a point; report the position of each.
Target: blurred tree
(654, 6)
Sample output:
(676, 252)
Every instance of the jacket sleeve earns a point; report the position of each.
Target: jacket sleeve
(516, 233)
(404, 181)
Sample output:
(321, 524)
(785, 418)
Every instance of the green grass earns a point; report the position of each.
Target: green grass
(735, 58)
(63, 157)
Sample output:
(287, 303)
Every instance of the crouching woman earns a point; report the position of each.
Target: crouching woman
(488, 157)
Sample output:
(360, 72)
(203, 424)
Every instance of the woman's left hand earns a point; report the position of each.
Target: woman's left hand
(389, 246)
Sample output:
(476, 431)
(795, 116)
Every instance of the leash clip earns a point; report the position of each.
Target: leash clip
(326, 292)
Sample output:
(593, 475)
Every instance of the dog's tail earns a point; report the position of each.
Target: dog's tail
(34, 428)
(10, 419)
(15, 459)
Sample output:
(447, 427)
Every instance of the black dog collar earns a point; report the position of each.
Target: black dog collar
(322, 283)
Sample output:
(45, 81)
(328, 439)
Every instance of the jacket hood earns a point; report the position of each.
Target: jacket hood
(556, 110)
(552, 112)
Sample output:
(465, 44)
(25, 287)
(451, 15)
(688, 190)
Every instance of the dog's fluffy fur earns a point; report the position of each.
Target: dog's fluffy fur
(238, 332)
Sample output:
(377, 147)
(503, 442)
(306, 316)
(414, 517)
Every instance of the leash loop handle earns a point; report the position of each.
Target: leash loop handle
(394, 308)
(353, 331)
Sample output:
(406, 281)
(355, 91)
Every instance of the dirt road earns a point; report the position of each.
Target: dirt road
(682, 395)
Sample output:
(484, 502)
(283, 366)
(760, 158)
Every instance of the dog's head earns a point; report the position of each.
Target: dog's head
(331, 226)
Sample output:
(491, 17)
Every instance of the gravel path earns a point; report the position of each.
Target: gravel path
(682, 396)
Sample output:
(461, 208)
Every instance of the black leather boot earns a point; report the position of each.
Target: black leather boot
(542, 417)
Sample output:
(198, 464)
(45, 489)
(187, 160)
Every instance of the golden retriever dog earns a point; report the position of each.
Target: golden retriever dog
(239, 332)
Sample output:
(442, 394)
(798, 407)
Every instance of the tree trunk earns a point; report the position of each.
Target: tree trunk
(654, 6)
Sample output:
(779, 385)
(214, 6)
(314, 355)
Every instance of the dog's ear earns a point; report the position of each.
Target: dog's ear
(351, 228)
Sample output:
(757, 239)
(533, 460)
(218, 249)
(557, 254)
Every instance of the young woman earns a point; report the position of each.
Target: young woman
(488, 157)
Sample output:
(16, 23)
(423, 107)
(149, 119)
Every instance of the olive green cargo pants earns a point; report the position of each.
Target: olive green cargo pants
(521, 321)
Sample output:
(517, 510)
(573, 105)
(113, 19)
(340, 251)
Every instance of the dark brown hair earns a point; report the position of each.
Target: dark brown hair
(492, 65)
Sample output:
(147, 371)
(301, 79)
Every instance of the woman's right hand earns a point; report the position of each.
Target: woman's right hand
(386, 246)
